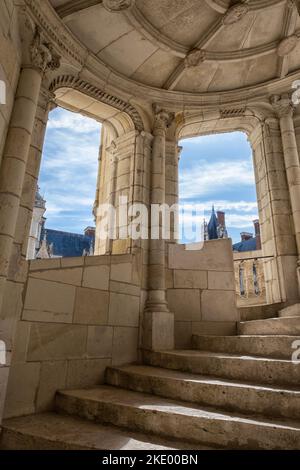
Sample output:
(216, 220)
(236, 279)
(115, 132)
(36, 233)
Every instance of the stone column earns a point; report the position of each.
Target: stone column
(17, 146)
(284, 109)
(158, 324)
(113, 160)
(19, 254)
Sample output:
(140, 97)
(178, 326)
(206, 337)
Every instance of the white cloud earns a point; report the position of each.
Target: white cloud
(209, 177)
(73, 122)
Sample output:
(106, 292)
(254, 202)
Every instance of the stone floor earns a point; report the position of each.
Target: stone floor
(230, 392)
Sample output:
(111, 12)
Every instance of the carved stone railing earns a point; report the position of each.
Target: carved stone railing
(253, 281)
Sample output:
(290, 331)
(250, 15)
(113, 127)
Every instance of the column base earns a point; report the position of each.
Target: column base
(158, 331)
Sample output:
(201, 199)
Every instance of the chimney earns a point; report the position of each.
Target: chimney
(90, 232)
(246, 236)
(221, 218)
(257, 234)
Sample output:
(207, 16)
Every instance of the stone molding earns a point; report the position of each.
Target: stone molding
(68, 81)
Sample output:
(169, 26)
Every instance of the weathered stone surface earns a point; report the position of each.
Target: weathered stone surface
(50, 431)
(91, 307)
(125, 345)
(22, 389)
(166, 417)
(279, 347)
(272, 326)
(96, 277)
(184, 279)
(54, 342)
(218, 305)
(185, 304)
(225, 394)
(86, 372)
(234, 367)
(49, 301)
(123, 310)
(99, 341)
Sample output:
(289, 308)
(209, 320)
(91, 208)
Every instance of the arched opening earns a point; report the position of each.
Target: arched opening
(225, 159)
(63, 224)
(76, 174)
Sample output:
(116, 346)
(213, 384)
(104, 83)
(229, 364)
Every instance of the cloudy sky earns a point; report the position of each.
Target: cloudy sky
(214, 169)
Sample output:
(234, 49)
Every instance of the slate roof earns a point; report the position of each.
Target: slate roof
(67, 244)
(245, 245)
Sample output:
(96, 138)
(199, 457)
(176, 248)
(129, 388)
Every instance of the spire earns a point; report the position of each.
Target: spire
(213, 226)
(43, 252)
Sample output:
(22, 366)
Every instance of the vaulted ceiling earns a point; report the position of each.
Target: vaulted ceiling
(189, 45)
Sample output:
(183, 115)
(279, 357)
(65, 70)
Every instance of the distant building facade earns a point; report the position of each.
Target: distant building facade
(48, 243)
(216, 227)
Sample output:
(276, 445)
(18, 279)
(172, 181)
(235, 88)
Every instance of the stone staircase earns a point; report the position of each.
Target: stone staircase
(228, 392)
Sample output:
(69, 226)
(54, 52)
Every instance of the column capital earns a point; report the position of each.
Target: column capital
(282, 105)
(115, 6)
(163, 118)
(42, 54)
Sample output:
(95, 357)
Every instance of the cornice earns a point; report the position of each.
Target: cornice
(69, 81)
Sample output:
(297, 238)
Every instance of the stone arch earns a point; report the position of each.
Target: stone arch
(125, 119)
(264, 136)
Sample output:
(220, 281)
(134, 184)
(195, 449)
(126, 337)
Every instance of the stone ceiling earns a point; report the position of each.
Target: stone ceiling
(189, 45)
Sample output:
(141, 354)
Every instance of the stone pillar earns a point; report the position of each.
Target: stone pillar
(113, 160)
(172, 186)
(158, 323)
(18, 258)
(16, 150)
(284, 109)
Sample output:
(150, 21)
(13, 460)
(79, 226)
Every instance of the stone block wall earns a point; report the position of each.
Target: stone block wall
(80, 315)
(10, 61)
(201, 290)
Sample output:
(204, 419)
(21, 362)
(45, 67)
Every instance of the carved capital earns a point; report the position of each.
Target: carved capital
(194, 58)
(117, 5)
(287, 45)
(282, 105)
(163, 118)
(235, 13)
(42, 54)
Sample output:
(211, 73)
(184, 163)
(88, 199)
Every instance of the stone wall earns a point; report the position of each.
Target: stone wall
(201, 290)
(10, 60)
(80, 315)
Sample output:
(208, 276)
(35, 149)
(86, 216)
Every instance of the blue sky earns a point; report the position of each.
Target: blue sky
(214, 169)
(218, 169)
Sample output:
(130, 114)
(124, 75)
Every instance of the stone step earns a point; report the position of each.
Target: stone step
(243, 368)
(272, 326)
(274, 346)
(291, 311)
(169, 418)
(208, 391)
(51, 431)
